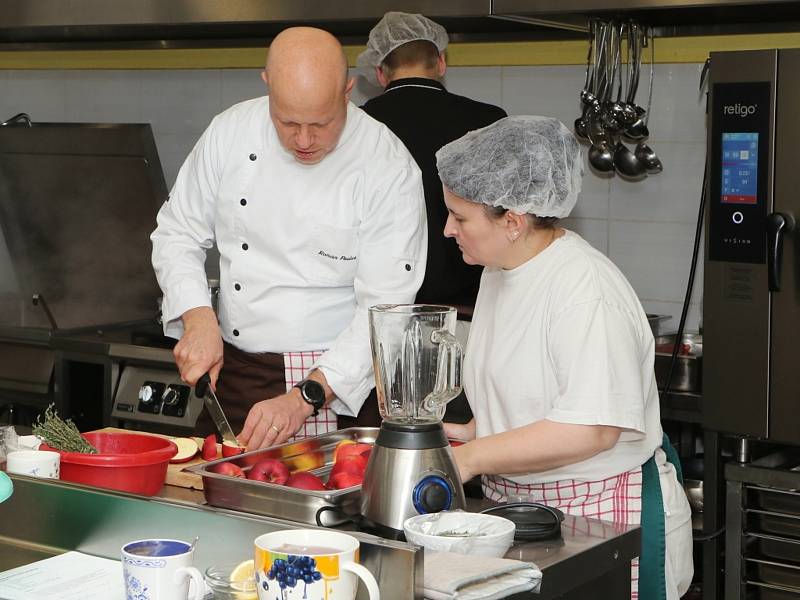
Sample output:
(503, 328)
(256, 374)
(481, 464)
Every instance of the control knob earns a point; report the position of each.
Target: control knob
(146, 394)
(170, 397)
(432, 494)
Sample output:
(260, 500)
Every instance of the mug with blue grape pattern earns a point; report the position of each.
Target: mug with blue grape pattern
(310, 564)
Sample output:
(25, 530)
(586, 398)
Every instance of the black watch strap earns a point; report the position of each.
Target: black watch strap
(312, 393)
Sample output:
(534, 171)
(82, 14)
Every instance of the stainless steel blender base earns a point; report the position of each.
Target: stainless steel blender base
(395, 477)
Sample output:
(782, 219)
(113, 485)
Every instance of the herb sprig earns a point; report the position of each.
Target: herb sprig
(59, 434)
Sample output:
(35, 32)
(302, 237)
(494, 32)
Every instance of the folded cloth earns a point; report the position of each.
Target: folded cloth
(450, 576)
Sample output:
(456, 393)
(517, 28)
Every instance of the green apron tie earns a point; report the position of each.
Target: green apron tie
(652, 580)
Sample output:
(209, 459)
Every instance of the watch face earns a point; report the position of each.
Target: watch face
(313, 392)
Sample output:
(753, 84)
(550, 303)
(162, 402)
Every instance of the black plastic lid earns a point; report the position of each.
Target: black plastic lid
(534, 521)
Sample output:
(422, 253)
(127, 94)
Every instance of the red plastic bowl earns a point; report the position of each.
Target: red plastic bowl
(129, 462)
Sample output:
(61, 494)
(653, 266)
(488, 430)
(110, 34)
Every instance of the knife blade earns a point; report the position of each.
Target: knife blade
(202, 389)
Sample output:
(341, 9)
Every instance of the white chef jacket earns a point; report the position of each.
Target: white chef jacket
(305, 250)
(563, 337)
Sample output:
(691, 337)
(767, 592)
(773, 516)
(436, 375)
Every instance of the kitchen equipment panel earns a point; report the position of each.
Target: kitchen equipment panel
(751, 297)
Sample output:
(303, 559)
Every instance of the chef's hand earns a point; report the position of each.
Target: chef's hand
(199, 351)
(275, 420)
(457, 431)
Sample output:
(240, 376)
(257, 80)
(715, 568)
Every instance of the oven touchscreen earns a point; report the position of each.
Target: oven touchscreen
(739, 168)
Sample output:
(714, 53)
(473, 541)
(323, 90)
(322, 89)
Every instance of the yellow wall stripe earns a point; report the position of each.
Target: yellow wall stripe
(668, 50)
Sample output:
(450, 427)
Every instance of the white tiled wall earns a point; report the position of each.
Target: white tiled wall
(647, 227)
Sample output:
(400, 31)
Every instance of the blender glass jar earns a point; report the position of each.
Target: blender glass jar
(417, 360)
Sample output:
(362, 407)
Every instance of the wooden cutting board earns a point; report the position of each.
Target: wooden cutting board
(175, 474)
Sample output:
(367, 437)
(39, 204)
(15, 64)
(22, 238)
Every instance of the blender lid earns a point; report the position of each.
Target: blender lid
(534, 521)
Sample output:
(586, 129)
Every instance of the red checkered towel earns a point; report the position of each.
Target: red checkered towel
(296, 367)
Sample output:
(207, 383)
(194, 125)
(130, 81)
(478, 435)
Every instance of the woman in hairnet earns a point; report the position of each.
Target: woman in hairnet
(559, 363)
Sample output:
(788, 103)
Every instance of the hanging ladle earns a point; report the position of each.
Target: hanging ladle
(638, 129)
(627, 163)
(600, 156)
(644, 153)
(612, 111)
(588, 96)
(634, 56)
(617, 109)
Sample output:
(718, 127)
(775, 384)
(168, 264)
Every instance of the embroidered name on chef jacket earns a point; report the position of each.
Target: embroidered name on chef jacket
(332, 257)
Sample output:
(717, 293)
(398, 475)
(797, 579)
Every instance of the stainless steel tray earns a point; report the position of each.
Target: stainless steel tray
(327, 508)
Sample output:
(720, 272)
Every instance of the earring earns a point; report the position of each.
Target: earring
(514, 236)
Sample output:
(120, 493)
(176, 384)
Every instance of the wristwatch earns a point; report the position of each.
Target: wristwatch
(313, 393)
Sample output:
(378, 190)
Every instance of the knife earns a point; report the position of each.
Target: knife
(202, 389)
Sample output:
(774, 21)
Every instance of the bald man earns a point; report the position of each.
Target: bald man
(318, 213)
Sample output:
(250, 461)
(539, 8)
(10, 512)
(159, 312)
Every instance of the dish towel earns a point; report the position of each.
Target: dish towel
(451, 576)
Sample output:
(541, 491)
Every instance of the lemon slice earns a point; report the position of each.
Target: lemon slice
(244, 574)
(244, 571)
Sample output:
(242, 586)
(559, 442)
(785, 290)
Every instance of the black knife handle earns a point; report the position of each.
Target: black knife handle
(201, 387)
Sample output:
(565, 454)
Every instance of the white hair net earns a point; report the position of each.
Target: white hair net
(524, 164)
(396, 29)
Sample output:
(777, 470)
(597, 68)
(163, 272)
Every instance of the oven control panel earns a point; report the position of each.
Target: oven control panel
(156, 396)
(739, 176)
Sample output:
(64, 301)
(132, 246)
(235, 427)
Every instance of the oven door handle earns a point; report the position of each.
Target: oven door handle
(777, 225)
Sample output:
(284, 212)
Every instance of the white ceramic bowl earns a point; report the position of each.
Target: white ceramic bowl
(461, 532)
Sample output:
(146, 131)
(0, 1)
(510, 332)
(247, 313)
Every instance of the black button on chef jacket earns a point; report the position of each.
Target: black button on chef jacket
(425, 116)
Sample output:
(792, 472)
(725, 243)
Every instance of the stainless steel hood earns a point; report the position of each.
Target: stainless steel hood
(26, 21)
(165, 21)
(670, 17)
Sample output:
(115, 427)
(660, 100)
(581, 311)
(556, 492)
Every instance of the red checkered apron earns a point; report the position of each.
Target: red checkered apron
(296, 367)
(617, 499)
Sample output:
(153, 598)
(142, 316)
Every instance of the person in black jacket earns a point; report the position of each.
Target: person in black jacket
(406, 53)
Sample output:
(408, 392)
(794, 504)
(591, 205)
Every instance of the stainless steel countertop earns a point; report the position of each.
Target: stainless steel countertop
(587, 546)
(43, 518)
(579, 535)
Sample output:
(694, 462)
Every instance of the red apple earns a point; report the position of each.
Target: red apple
(366, 453)
(341, 445)
(299, 447)
(187, 449)
(305, 462)
(230, 469)
(305, 481)
(210, 447)
(355, 463)
(349, 450)
(229, 449)
(270, 470)
(343, 480)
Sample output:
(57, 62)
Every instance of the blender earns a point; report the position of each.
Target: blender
(417, 363)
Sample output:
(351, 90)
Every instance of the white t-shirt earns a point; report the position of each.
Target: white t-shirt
(563, 337)
(305, 250)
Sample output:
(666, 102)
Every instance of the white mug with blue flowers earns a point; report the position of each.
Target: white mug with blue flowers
(159, 569)
(310, 564)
